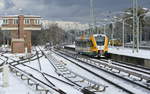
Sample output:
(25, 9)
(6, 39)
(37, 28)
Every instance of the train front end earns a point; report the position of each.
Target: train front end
(102, 44)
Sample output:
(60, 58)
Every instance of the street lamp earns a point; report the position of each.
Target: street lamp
(104, 28)
(112, 35)
(135, 26)
(123, 29)
(140, 30)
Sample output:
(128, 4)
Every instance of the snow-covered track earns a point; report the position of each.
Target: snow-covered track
(34, 81)
(140, 73)
(105, 69)
(81, 83)
(139, 68)
(48, 87)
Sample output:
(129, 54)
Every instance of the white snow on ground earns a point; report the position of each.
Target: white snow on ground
(71, 46)
(86, 74)
(47, 68)
(125, 84)
(16, 86)
(145, 54)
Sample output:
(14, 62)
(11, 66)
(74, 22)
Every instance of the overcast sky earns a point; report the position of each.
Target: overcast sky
(65, 9)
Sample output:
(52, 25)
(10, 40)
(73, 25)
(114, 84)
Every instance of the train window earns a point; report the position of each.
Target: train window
(78, 43)
(89, 43)
(100, 40)
(83, 43)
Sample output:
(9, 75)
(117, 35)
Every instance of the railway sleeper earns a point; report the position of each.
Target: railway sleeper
(63, 63)
(80, 80)
(72, 76)
(58, 65)
(61, 67)
(108, 68)
(31, 83)
(66, 73)
(39, 88)
(135, 78)
(137, 75)
(12, 70)
(124, 74)
(96, 88)
(18, 73)
(86, 91)
(63, 70)
(24, 77)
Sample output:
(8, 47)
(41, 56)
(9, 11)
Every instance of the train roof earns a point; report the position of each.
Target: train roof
(87, 36)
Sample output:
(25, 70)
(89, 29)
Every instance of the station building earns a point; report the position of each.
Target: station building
(20, 27)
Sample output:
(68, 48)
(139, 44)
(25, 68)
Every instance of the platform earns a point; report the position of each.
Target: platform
(120, 54)
(144, 54)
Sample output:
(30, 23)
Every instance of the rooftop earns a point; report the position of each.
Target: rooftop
(8, 16)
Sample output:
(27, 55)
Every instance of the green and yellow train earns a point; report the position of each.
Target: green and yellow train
(93, 45)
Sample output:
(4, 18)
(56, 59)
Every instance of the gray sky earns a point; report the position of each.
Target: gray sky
(65, 9)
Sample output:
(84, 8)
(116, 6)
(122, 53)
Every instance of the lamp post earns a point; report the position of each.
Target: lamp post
(123, 31)
(104, 28)
(112, 35)
(140, 30)
(135, 27)
(93, 18)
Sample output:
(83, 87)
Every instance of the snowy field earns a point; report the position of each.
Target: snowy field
(18, 86)
(145, 54)
(111, 88)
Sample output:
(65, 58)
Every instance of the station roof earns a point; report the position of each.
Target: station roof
(27, 16)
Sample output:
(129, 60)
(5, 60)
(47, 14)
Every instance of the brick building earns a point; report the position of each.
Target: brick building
(20, 27)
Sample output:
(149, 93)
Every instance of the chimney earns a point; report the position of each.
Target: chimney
(20, 26)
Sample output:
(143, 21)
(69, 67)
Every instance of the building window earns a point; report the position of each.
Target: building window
(27, 21)
(15, 21)
(5, 21)
(36, 21)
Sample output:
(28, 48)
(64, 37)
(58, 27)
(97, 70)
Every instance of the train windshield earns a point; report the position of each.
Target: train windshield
(100, 40)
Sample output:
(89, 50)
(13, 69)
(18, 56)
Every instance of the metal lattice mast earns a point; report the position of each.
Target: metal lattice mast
(135, 26)
(137, 31)
(93, 20)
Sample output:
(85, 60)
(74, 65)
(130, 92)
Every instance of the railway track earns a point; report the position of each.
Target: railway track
(32, 80)
(140, 72)
(72, 50)
(130, 66)
(81, 83)
(75, 80)
(107, 68)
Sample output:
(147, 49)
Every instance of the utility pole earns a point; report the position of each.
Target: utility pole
(93, 20)
(112, 35)
(123, 33)
(104, 28)
(135, 27)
